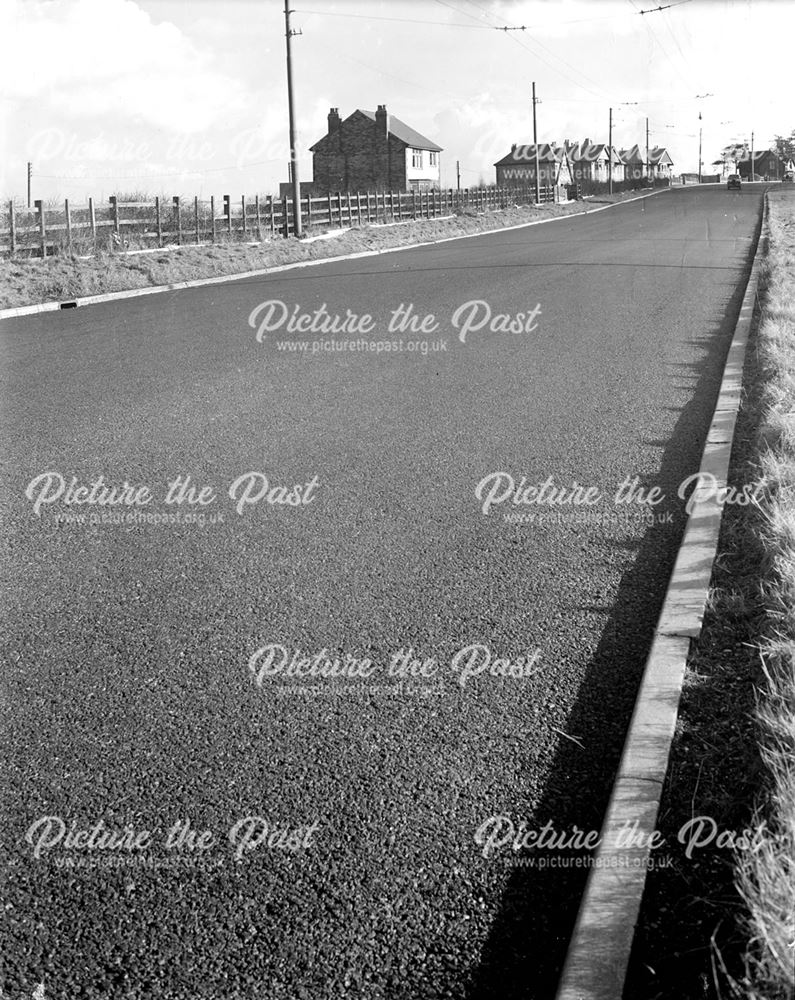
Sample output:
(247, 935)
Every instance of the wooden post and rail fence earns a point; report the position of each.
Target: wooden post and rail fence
(69, 228)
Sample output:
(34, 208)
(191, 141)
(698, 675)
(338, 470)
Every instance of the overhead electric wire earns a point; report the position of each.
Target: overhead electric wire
(546, 49)
(400, 20)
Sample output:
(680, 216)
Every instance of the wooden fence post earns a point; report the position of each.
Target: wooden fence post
(158, 221)
(39, 205)
(358, 208)
(93, 221)
(68, 226)
(13, 227)
(196, 216)
(114, 207)
(178, 218)
(339, 207)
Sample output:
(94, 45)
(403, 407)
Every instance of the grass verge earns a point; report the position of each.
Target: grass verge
(720, 922)
(766, 876)
(29, 281)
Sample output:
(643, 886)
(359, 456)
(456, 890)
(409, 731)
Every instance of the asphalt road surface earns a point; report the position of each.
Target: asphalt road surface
(145, 687)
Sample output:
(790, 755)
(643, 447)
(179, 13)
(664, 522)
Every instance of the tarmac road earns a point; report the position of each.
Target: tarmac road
(131, 700)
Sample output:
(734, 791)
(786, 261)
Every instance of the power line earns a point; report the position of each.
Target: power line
(401, 20)
(656, 38)
(156, 173)
(458, 10)
(482, 27)
(411, 83)
(545, 48)
(668, 6)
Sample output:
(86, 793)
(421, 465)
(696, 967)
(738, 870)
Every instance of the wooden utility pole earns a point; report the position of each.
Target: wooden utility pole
(647, 148)
(293, 152)
(535, 146)
(30, 174)
(699, 148)
(751, 175)
(458, 174)
(610, 155)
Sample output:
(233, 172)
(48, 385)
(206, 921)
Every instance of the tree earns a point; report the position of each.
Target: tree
(730, 156)
(785, 147)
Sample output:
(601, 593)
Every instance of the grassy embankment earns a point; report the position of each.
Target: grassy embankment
(28, 280)
(720, 922)
(766, 875)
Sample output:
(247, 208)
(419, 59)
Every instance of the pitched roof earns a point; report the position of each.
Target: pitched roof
(658, 154)
(547, 153)
(400, 130)
(592, 151)
(631, 155)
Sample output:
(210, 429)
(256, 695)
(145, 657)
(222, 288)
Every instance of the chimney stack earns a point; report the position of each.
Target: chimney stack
(382, 122)
(333, 120)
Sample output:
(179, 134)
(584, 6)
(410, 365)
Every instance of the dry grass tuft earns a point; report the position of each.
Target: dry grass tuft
(766, 875)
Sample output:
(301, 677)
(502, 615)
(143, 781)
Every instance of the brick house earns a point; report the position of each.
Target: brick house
(768, 165)
(519, 167)
(373, 151)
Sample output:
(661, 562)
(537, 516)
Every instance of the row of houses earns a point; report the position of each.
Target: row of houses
(570, 163)
(375, 151)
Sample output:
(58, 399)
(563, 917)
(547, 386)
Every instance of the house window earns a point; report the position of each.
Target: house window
(416, 157)
(434, 159)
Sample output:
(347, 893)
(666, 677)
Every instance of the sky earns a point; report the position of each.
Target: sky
(189, 97)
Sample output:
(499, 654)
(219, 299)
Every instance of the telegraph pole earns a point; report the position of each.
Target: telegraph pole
(699, 148)
(30, 174)
(535, 146)
(751, 177)
(293, 153)
(610, 155)
(458, 175)
(647, 148)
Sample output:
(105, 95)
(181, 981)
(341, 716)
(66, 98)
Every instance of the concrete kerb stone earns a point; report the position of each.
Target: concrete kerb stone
(131, 293)
(599, 951)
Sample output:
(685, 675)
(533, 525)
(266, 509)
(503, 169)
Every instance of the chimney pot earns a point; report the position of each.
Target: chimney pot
(382, 122)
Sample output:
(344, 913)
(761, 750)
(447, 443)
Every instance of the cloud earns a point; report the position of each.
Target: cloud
(91, 58)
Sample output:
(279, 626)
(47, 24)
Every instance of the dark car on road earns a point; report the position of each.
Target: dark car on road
(734, 182)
